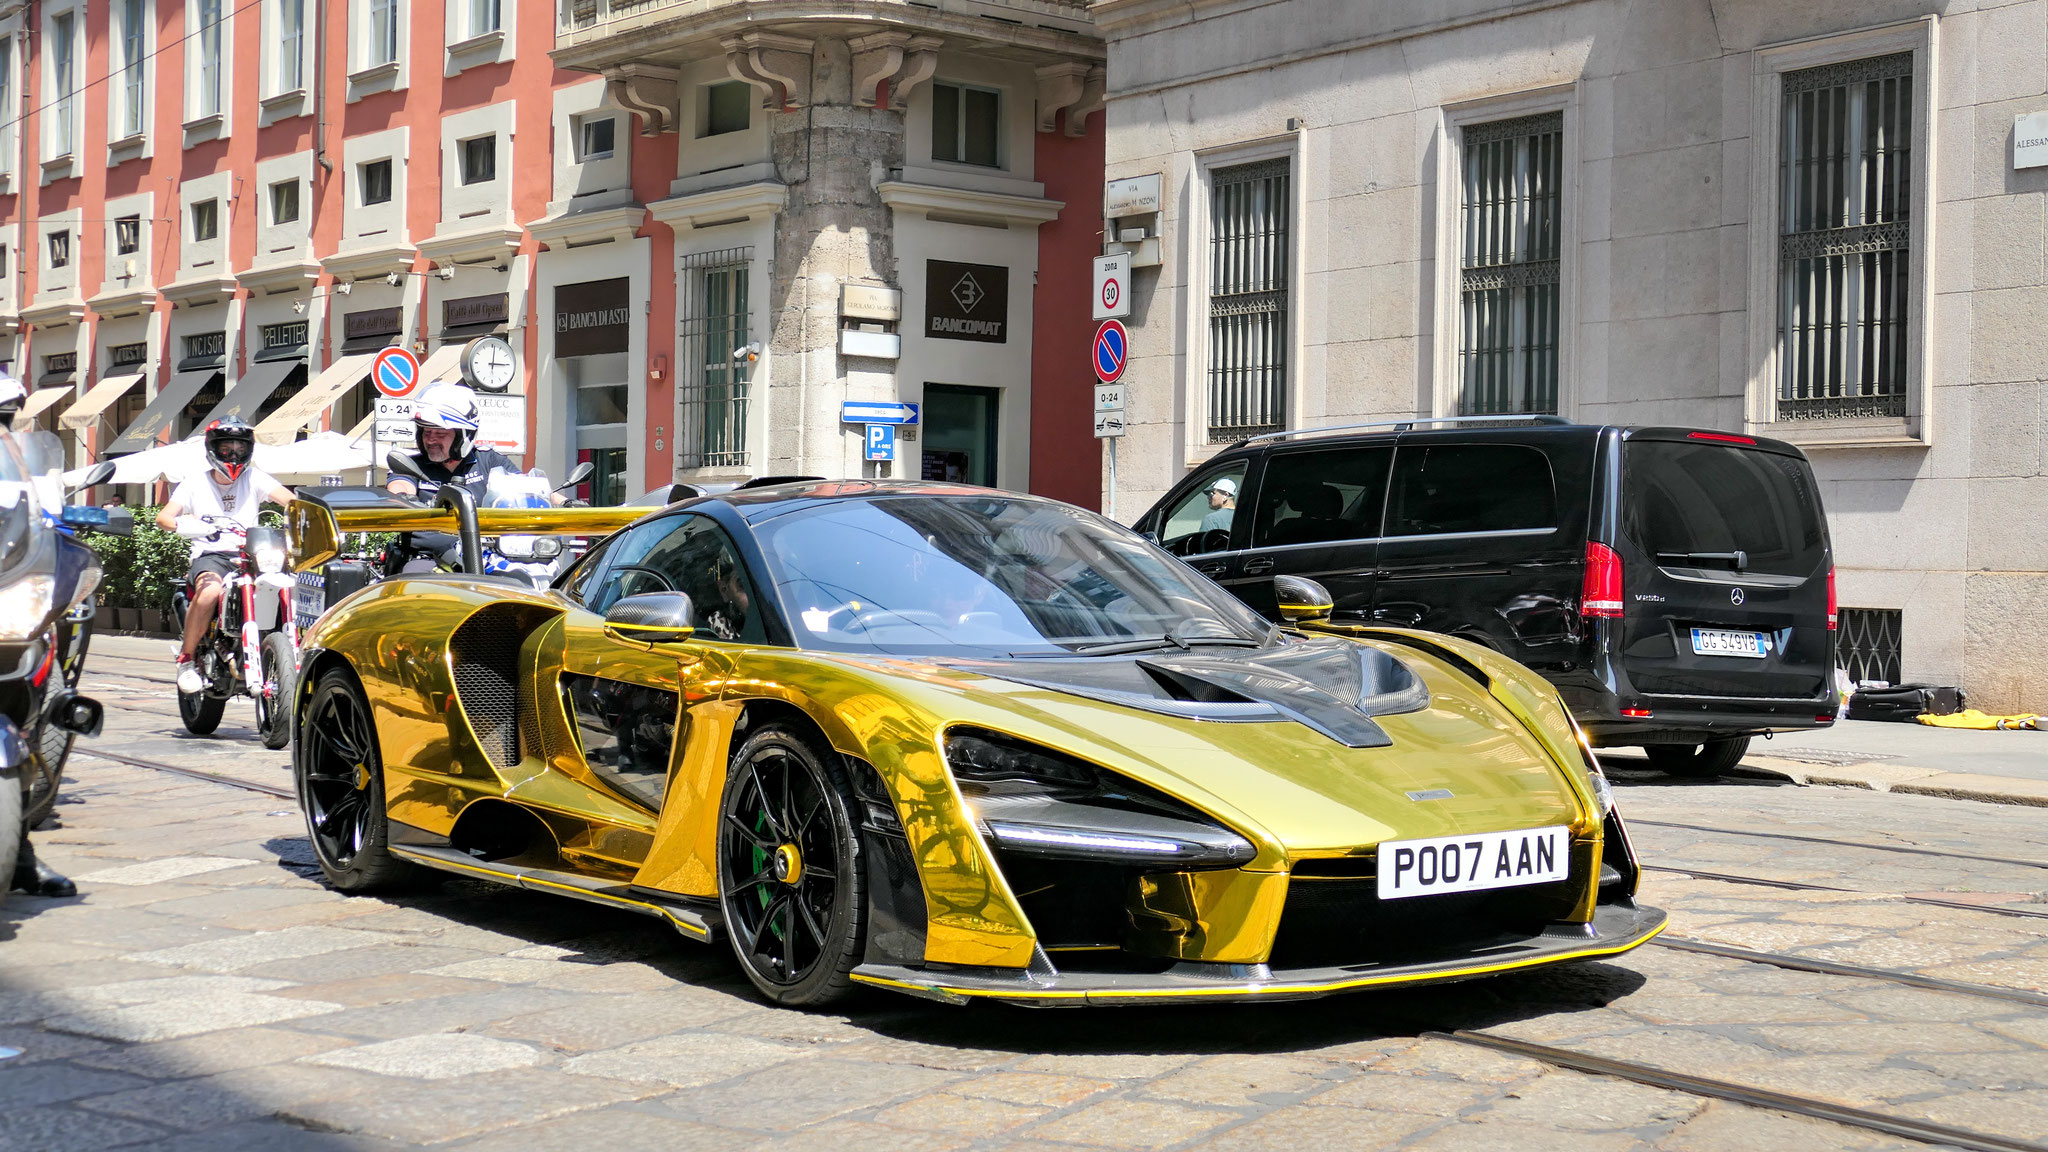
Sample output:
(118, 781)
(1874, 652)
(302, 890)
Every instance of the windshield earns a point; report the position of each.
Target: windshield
(986, 575)
(1693, 504)
(19, 516)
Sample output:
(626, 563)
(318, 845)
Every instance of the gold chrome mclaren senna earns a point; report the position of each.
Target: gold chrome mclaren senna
(953, 742)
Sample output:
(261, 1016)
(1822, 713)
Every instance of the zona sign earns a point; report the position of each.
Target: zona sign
(1112, 350)
(395, 371)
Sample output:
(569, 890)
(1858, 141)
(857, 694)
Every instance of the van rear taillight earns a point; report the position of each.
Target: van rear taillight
(1832, 612)
(1601, 593)
(1723, 437)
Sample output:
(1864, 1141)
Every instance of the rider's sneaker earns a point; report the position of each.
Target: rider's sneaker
(188, 677)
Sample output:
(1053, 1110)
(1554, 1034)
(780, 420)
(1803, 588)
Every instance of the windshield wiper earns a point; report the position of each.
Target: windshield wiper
(1738, 557)
(1150, 643)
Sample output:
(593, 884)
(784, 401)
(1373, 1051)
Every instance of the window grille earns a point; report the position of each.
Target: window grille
(1843, 251)
(712, 417)
(1868, 643)
(1508, 279)
(1249, 239)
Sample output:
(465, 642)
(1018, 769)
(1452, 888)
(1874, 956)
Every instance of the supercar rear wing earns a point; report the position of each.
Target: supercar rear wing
(317, 517)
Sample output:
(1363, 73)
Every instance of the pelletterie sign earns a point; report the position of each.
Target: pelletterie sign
(2030, 140)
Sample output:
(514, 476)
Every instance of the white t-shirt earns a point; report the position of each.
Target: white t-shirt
(200, 496)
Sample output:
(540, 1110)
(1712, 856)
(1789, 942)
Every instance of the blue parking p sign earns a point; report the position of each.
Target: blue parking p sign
(881, 441)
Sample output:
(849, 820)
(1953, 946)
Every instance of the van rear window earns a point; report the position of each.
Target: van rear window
(1693, 505)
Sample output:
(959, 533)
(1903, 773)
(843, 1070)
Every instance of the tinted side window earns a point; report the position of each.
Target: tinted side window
(625, 731)
(580, 582)
(1200, 520)
(688, 554)
(1311, 497)
(1471, 488)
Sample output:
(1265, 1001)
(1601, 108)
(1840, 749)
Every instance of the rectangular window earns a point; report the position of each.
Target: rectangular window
(291, 45)
(205, 219)
(127, 235)
(284, 201)
(728, 107)
(596, 138)
(60, 249)
(382, 35)
(1249, 260)
(376, 181)
(208, 98)
(1845, 221)
(6, 101)
(3, 261)
(715, 392)
(64, 77)
(132, 32)
(479, 159)
(967, 125)
(483, 17)
(1508, 279)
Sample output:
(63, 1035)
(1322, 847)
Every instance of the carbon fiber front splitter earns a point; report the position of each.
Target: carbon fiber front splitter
(1615, 929)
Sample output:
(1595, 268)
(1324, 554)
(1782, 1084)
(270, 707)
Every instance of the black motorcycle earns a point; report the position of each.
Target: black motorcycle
(46, 573)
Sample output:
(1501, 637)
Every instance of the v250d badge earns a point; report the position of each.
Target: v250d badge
(953, 742)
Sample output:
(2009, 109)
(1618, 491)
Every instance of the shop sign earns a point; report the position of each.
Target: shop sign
(122, 355)
(491, 309)
(291, 334)
(201, 345)
(501, 422)
(60, 362)
(373, 322)
(966, 301)
(593, 318)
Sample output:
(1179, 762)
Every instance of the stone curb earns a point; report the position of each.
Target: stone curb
(1880, 777)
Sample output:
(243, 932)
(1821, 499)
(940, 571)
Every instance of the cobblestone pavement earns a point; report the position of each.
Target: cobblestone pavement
(205, 991)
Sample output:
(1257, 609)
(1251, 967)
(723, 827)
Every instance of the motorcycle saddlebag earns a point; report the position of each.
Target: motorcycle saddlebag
(344, 578)
(1904, 701)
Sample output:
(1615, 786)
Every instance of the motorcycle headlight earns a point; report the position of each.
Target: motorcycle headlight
(269, 560)
(88, 583)
(524, 547)
(25, 605)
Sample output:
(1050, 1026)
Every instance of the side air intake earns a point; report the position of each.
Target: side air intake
(484, 654)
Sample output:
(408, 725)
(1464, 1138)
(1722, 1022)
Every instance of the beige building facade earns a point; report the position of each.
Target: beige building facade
(1820, 222)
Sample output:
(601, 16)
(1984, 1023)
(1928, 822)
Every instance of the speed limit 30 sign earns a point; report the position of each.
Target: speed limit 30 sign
(1113, 286)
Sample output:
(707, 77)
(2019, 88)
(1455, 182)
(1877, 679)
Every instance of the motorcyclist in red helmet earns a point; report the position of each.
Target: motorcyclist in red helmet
(213, 510)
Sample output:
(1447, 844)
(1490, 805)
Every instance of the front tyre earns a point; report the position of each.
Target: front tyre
(12, 831)
(280, 680)
(1713, 758)
(340, 779)
(789, 874)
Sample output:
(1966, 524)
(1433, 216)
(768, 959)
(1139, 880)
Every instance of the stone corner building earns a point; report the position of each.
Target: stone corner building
(1807, 221)
(826, 150)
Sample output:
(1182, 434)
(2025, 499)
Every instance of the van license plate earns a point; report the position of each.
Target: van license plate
(1720, 642)
(1470, 863)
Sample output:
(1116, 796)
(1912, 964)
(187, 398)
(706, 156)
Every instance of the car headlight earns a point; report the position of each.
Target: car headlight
(269, 559)
(25, 605)
(1603, 792)
(1034, 801)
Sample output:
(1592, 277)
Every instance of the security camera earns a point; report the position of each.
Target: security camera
(344, 286)
(445, 271)
(395, 279)
(748, 353)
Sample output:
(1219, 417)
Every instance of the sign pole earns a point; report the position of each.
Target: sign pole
(1112, 475)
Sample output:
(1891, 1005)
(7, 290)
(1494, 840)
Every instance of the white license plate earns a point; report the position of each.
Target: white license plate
(1471, 863)
(1721, 642)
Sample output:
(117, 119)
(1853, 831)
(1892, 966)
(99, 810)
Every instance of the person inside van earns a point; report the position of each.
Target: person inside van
(1222, 505)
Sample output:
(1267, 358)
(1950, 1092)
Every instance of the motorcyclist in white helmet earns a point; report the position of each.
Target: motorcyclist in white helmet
(444, 422)
(12, 394)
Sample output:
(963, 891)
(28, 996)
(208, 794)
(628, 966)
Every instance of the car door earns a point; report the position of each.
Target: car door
(1198, 521)
(1473, 545)
(1317, 514)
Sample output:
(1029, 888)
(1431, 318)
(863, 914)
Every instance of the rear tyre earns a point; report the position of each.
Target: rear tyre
(789, 875)
(201, 711)
(280, 681)
(1713, 758)
(340, 778)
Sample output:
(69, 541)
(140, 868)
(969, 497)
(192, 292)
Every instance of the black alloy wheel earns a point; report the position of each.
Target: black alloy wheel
(280, 679)
(201, 710)
(789, 875)
(340, 780)
(1713, 758)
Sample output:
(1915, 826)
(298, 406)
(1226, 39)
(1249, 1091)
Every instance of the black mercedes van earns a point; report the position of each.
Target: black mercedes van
(1676, 584)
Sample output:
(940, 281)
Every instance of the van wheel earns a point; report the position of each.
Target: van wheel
(1713, 758)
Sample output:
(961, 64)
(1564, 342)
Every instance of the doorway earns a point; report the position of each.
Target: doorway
(960, 432)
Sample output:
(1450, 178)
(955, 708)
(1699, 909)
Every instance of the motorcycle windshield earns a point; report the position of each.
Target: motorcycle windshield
(42, 457)
(20, 513)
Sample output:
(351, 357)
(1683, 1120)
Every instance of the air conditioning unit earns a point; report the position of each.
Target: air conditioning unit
(128, 269)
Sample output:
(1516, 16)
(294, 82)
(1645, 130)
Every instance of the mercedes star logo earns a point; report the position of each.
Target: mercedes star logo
(1735, 595)
(967, 293)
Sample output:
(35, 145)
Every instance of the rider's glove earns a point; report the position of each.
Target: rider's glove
(193, 528)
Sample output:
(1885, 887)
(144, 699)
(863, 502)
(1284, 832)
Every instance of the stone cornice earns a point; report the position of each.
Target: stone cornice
(55, 314)
(132, 302)
(576, 229)
(357, 263)
(961, 203)
(272, 279)
(721, 205)
(200, 291)
(474, 245)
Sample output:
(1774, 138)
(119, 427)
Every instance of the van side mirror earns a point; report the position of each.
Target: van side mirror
(1302, 600)
(651, 618)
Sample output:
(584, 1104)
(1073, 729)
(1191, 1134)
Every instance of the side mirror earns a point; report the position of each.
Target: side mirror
(651, 618)
(1301, 599)
(97, 475)
(577, 475)
(403, 464)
